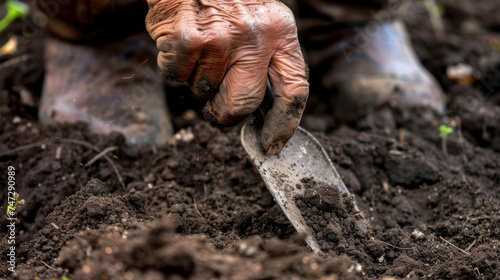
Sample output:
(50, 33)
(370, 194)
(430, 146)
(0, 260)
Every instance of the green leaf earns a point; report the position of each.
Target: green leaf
(15, 10)
(18, 9)
(10, 210)
(445, 130)
(434, 8)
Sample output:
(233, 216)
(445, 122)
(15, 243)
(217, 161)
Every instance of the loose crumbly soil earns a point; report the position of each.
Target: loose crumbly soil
(197, 208)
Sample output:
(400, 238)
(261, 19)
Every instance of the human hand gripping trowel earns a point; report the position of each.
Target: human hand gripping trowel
(302, 157)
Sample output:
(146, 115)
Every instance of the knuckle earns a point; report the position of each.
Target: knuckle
(205, 87)
(164, 44)
(191, 34)
(168, 67)
(213, 41)
(211, 115)
(279, 23)
(180, 43)
(169, 72)
(190, 42)
(282, 16)
(296, 106)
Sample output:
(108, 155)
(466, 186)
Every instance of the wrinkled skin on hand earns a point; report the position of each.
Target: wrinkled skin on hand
(226, 50)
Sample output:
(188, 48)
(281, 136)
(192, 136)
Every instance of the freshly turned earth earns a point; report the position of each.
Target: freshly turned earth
(197, 208)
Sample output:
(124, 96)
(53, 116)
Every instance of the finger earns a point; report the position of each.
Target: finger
(288, 76)
(177, 58)
(175, 67)
(209, 72)
(241, 93)
(178, 41)
(214, 60)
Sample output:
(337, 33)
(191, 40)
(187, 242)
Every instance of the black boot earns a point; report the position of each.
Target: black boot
(113, 87)
(363, 70)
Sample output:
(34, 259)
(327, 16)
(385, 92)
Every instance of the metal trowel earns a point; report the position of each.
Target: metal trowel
(302, 157)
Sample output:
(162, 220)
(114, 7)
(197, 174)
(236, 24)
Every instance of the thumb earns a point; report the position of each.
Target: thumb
(288, 76)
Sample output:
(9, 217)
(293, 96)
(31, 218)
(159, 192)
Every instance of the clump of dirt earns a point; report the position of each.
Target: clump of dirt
(157, 252)
(333, 217)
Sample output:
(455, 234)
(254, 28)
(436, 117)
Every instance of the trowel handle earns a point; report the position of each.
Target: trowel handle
(266, 105)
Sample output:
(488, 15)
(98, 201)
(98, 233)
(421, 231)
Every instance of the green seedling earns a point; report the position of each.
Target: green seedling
(15, 10)
(12, 206)
(445, 131)
(435, 12)
(65, 278)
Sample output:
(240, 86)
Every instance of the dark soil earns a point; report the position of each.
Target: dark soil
(197, 209)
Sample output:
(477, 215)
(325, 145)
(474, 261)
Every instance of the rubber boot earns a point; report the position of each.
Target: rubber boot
(365, 70)
(112, 87)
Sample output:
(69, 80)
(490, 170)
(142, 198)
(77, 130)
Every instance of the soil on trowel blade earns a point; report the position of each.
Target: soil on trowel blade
(331, 216)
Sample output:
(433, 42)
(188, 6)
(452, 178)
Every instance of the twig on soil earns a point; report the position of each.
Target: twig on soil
(466, 220)
(88, 145)
(51, 267)
(58, 152)
(477, 270)
(475, 219)
(372, 198)
(22, 148)
(454, 246)
(212, 137)
(480, 218)
(70, 223)
(470, 246)
(101, 154)
(461, 140)
(460, 137)
(15, 60)
(196, 208)
(72, 141)
(158, 158)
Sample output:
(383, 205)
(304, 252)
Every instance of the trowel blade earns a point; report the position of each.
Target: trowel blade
(302, 158)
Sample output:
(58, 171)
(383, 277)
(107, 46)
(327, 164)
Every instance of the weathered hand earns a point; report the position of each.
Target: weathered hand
(226, 49)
